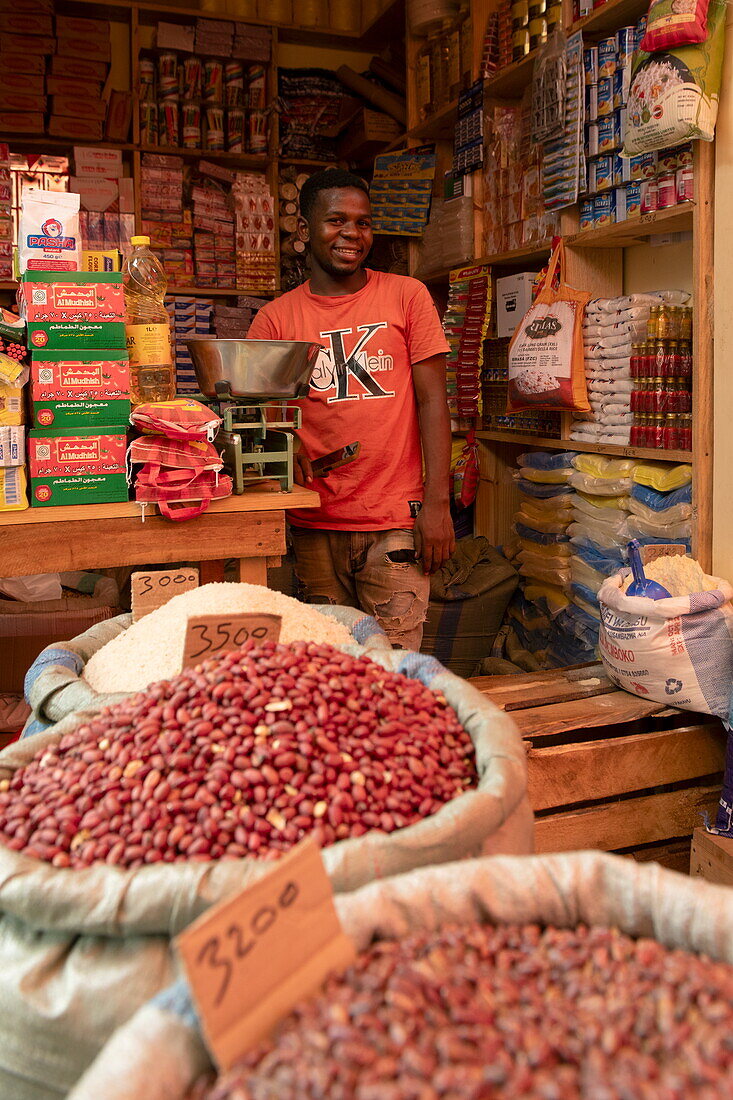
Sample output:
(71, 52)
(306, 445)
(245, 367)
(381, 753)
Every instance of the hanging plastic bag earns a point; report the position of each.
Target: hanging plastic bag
(465, 473)
(546, 367)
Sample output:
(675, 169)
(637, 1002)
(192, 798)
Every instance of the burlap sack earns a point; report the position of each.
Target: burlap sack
(159, 1052)
(82, 950)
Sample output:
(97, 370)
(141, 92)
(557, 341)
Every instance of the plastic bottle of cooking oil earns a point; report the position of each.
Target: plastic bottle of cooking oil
(147, 327)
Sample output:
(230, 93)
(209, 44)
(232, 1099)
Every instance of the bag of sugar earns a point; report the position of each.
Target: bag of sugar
(48, 238)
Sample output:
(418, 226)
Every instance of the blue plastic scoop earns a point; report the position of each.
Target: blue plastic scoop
(640, 586)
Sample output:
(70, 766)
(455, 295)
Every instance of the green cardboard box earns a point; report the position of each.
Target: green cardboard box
(78, 414)
(66, 335)
(77, 465)
(54, 492)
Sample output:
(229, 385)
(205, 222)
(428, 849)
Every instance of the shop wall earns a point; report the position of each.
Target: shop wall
(664, 267)
(294, 56)
(723, 322)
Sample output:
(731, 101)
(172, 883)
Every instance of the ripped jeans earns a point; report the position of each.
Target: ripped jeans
(355, 568)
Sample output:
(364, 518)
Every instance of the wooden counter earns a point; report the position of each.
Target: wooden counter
(250, 528)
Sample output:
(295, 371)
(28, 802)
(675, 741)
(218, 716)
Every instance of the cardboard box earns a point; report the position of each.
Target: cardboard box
(66, 375)
(22, 63)
(25, 83)
(95, 193)
(18, 102)
(63, 335)
(119, 116)
(101, 261)
(82, 466)
(79, 129)
(27, 43)
(76, 296)
(78, 107)
(99, 163)
(67, 85)
(82, 413)
(26, 630)
(23, 22)
(513, 299)
(70, 26)
(78, 68)
(93, 48)
(368, 132)
(21, 122)
(32, 7)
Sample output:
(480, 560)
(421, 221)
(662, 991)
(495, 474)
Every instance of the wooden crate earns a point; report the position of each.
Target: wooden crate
(711, 857)
(609, 770)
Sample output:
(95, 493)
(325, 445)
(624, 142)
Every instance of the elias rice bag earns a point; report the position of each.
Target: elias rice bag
(674, 94)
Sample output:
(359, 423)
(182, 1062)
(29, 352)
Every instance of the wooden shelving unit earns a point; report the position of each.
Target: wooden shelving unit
(596, 260)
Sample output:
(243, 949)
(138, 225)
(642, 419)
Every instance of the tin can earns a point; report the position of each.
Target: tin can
(604, 173)
(537, 32)
(520, 43)
(235, 130)
(591, 103)
(605, 209)
(587, 214)
(648, 199)
(520, 14)
(684, 155)
(684, 184)
(167, 75)
(619, 127)
(592, 139)
(191, 127)
(257, 141)
(606, 57)
(168, 129)
(213, 87)
(214, 136)
(666, 190)
(625, 44)
(146, 85)
(148, 123)
(606, 140)
(643, 166)
(639, 32)
(590, 64)
(192, 79)
(605, 96)
(633, 199)
(620, 170)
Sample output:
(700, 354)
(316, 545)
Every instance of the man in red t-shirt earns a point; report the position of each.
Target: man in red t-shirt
(382, 528)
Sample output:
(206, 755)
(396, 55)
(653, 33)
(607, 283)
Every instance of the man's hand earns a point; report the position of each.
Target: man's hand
(302, 471)
(435, 538)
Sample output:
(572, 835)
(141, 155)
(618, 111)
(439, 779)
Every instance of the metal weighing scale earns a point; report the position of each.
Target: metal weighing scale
(247, 383)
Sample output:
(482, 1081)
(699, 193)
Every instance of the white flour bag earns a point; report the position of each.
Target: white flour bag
(48, 237)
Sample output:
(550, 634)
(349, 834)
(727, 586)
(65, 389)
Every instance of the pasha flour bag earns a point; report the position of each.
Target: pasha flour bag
(677, 651)
(48, 237)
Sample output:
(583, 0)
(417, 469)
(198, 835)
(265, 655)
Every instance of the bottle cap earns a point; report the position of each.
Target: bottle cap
(135, 241)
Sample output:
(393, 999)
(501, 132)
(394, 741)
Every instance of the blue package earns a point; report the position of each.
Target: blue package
(607, 53)
(587, 214)
(621, 170)
(659, 502)
(541, 492)
(547, 460)
(606, 141)
(605, 96)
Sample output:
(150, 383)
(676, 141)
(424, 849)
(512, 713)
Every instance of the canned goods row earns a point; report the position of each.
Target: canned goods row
(607, 95)
(195, 79)
(616, 204)
(610, 54)
(209, 128)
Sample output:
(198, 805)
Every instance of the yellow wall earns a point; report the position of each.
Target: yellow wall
(668, 267)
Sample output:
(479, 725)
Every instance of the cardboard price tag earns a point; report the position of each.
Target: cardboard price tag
(150, 590)
(210, 634)
(251, 959)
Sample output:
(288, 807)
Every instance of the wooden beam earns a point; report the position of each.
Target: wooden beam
(614, 708)
(711, 857)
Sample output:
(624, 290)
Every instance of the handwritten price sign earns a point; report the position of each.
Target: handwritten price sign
(150, 590)
(207, 635)
(250, 959)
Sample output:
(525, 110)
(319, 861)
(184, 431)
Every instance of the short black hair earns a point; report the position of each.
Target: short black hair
(326, 181)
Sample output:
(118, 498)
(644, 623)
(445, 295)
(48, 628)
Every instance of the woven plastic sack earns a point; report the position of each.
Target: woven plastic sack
(187, 454)
(159, 1053)
(55, 687)
(179, 418)
(81, 950)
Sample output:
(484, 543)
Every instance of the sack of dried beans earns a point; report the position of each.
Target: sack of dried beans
(117, 832)
(570, 975)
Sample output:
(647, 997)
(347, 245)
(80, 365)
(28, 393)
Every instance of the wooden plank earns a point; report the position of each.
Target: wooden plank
(612, 708)
(71, 545)
(533, 690)
(564, 774)
(711, 857)
(674, 856)
(252, 571)
(703, 298)
(626, 823)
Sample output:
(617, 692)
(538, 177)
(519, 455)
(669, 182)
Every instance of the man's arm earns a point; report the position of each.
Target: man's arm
(434, 536)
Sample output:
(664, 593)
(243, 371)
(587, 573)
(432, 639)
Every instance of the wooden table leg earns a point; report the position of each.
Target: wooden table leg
(211, 571)
(253, 570)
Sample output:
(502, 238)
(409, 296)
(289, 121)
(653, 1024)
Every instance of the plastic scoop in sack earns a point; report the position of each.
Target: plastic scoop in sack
(640, 586)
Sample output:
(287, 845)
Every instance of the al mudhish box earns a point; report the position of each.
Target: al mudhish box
(82, 466)
(76, 296)
(80, 388)
(76, 335)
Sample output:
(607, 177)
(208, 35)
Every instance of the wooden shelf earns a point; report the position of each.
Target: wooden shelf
(529, 253)
(218, 291)
(241, 160)
(510, 82)
(11, 284)
(529, 440)
(439, 127)
(676, 219)
(19, 143)
(609, 17)
(307, 162)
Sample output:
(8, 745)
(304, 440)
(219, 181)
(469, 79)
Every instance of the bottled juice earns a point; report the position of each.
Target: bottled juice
(147, 328)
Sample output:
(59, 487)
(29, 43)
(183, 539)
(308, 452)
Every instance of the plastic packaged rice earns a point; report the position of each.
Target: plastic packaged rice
(663, 478)
(674, 94)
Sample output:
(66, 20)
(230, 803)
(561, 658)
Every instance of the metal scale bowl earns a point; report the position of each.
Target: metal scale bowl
(248, 383)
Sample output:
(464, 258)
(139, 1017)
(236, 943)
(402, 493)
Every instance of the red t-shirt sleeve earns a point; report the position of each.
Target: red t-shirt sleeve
(263, 327)
(425, 336)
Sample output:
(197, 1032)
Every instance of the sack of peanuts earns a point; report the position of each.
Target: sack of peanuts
(117, 657)
(119, 828)
(449, 995)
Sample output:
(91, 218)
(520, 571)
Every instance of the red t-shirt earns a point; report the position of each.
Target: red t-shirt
(362, 390)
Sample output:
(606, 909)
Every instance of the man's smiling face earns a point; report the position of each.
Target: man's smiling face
(339, 230)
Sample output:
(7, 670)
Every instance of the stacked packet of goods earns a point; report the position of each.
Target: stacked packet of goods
(80, 386)
(543, 620)
(465, 323)
(13, 376)
(660, 503)
(189, 316)
(254, 212)
(611, 329)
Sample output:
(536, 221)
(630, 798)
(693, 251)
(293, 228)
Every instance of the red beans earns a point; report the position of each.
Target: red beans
(477, 1012)
(245, 754)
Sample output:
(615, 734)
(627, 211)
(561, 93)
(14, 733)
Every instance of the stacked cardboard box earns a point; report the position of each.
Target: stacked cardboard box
(189, 317)
(107, 202)
(256, 266)
(80, 387)
(26, 40)
(6, 216)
